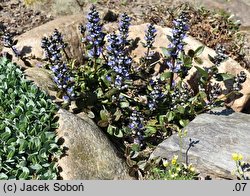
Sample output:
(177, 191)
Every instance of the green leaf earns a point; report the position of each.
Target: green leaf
(187, 61)
(34, 89)
(117, 114)
(150, 131)
(135, 147)
(211, 58)
(43, 154)
(54, 125)
(104, 114)
(111, 129)
(124, 104)
(49, 135)
(162, 119)
(11, 140)
(165, 75)
(33, 157)
(19, 109)
(191, 53)
(11, 152)
(6, 135)
(202, 71)
(199, 50)
(37, 142)
(198, 60)
(164, 51)
(110, 93)
(25, 174)
(181, 109)
(3, 176)
(170, 116)
(23, 145)
(224, 76)
(36, 167)
(183, 123)
(99, 93)
(202, 95)
(152, 122)
(149, 87)
(118, 133)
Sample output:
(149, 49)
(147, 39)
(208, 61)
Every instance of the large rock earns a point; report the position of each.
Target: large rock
(220, 134)
(89, 153)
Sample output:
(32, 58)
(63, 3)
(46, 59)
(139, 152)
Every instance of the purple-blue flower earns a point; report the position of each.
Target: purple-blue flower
(118, 60)
(176, 45)
(94, 32)
(124, 28)
(9, 42)
(156, 94)
(136, 125)
(220, 55)
(53, 47)
(150, 35)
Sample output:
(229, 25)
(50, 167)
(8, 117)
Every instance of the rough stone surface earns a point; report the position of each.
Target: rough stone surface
(220, 134)
(89, 154)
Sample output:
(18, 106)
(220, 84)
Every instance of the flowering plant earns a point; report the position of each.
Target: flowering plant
(137, 107)
(241, 166)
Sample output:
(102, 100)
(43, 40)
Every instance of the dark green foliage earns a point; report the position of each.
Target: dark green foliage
(28, 144)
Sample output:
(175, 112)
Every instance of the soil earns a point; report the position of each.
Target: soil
(19, 18)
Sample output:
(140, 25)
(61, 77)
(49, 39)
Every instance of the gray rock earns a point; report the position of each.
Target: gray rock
(89, 153)
(220, 134)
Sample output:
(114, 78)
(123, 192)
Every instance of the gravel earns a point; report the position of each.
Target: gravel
(18, 18)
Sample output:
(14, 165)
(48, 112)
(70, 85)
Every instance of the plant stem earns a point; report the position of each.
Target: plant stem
(172, 74)
(66, 55)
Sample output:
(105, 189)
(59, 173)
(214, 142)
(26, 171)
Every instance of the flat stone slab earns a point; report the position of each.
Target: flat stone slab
(220, 134)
